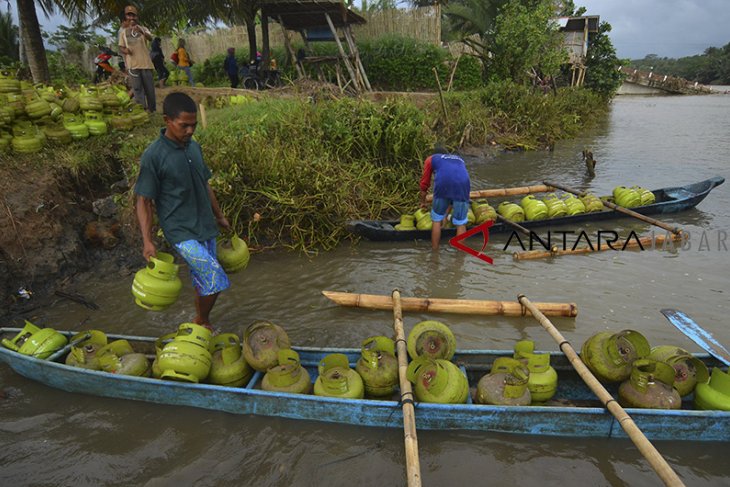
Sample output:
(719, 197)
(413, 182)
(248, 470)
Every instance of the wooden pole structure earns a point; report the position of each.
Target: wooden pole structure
(344, 56)
(501, 192)
(354, 50)
(413, 465)
(265, 46)
(457, 306)
(621, 209)
(621, 244)
(289, 49)
(441, 93)
(453, 72)
(655, 459)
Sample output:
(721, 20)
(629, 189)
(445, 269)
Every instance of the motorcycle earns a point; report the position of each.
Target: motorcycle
(104, 69)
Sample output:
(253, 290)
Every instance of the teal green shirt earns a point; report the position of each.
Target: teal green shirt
(176, 178)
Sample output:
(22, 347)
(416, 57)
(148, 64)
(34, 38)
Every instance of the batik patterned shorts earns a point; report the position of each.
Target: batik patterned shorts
(207, 274)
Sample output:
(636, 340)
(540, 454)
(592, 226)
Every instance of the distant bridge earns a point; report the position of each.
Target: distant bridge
(650, 83)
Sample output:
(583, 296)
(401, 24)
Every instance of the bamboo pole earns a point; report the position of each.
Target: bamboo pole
(441, 93)
(514, 225)
(621, 209)
(622, 244)
(457, 306)
(501, 192)
(344, 56)
(413, 465)
(647, 449)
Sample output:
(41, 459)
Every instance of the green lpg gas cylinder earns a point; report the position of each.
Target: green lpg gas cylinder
(437, 381)
(378, 366)
(626, 197)
(689, 370)
(157, 286)
(543, 382)
(36, 342)
(575, 205)
(505, 385)
(483, 211)
(187, 357)
(228, 366)
(84, 353)
(610, 355)
(337, 379)
(118, 357)
(650, 386)
(592, 203)
(511, 211)
(407, 222)
(233, 253)
(288, 375)
(262, 341)
(714, 394)
(555, 206)
(431, 339)
(534, 208)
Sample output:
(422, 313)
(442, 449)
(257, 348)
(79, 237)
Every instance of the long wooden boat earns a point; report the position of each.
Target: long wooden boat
(574, 411)
(668, 200)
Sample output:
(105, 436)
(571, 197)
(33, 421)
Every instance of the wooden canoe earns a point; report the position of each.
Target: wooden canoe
(668, 200)
(573, 412)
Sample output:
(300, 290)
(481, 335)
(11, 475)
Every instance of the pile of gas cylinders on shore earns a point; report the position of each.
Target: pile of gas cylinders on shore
(531, 208)
(654, 378)
(33, 115)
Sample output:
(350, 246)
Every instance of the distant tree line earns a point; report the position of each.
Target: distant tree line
(710, 68)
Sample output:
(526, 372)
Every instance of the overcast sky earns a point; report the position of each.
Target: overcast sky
(668, 28)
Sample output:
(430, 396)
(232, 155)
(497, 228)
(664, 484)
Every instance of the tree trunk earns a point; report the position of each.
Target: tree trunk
(251, 31)
(32, 41)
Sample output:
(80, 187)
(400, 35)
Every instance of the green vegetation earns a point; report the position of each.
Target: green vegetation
(712, 67)
(307, 167)
(602, 74)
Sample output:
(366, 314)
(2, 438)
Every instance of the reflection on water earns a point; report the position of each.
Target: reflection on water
(653, 142)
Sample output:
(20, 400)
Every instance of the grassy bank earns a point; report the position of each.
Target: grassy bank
(306, 166)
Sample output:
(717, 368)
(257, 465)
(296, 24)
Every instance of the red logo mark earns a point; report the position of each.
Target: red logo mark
(484, 230)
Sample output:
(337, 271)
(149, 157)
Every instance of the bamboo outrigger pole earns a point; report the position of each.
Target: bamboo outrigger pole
(621, 209)
(647, 449)
(459, 306)
(413, 465)
(623, 244)
(501, 192)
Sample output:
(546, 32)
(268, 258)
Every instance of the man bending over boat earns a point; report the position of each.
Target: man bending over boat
(450, 189)
(174, 176)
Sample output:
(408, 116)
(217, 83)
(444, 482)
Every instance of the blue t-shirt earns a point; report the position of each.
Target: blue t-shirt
(176, 178)
(452, 179)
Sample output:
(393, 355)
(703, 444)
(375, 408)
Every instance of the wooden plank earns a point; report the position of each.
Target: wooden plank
(503, 192)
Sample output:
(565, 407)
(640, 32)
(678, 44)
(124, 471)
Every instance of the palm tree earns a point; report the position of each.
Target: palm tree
(31, 39)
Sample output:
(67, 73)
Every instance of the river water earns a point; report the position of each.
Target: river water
(49, 437)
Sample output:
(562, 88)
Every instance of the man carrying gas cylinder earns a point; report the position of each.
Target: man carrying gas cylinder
(451, 188)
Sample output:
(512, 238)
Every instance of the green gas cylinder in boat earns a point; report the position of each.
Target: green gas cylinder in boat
(157, 286)
(378, 366)
(288, 375)
(228, 366)
(714, 394)
(431, 339)
(187, 357)
(689, 370)
(84, 353)
(118, 357)
(511, 211)
(337, 379)
(650, 386)
(437, 381)
(505, 385)
(534, 208)
(543, 380)
(36, 342)
(262, 341)
(610, 355)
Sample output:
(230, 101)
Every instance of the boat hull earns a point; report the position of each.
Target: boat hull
(584, 417)
(668, 200)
